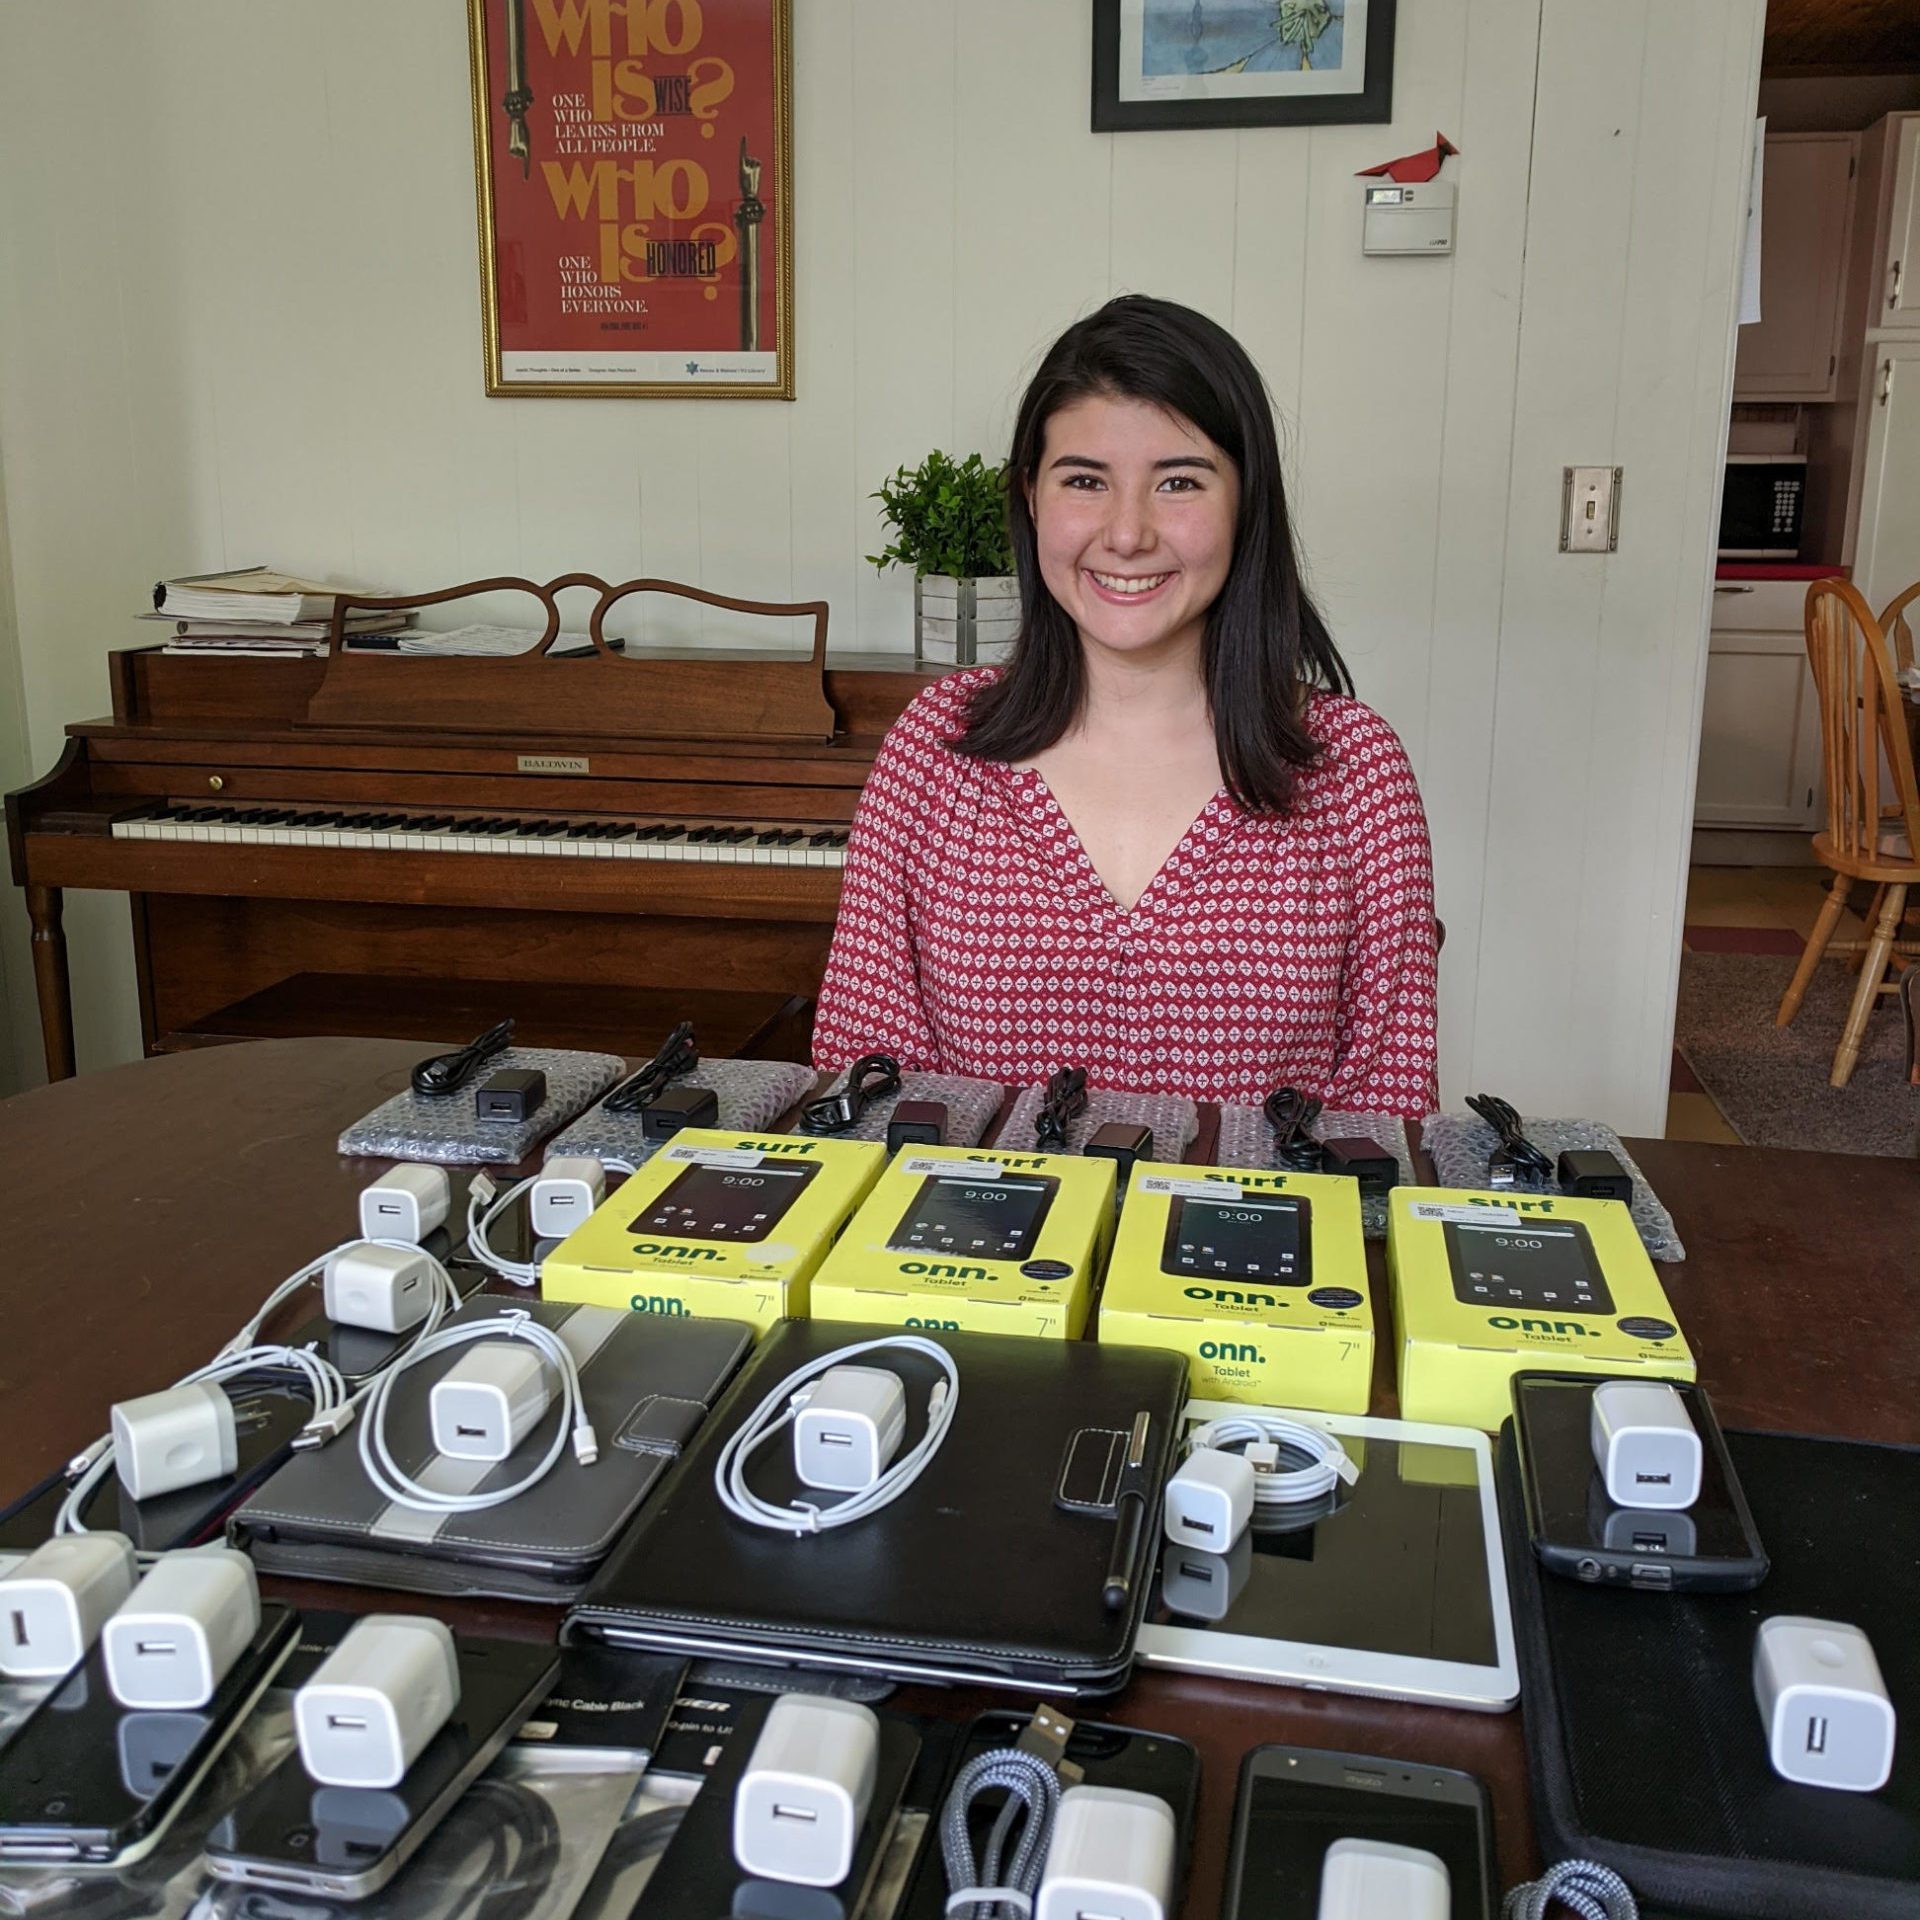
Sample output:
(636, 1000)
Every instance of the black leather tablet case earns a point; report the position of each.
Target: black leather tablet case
(989, 1569)
(647, 1384)
(1644, 1740)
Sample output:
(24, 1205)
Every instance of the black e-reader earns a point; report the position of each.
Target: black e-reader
(1534, 1263)
(1263, 1237)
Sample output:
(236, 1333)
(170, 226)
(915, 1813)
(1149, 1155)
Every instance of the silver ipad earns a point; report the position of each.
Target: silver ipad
(1394, 1586)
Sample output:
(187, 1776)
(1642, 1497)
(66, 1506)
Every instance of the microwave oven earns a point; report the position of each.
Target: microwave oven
(1761, 506)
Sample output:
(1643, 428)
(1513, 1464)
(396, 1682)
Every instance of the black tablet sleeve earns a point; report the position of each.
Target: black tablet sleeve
(989, 1569)
(1644, 1740)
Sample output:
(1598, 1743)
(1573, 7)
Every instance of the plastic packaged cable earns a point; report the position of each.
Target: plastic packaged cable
(970, 1105)
(410, 1127)
(752, 1095)
(1460, 1143)
(1174, 1121)
(1246, 1140)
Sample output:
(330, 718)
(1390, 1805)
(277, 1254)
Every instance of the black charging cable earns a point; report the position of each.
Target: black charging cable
(678, 1055)
(1291, 1114)
(872, 1077)
(448, 1072)
(1515, 1161)
(1064, 1101)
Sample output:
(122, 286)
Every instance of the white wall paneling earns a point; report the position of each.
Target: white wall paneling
(239, 321)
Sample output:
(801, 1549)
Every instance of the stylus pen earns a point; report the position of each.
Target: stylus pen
(1129, 1516)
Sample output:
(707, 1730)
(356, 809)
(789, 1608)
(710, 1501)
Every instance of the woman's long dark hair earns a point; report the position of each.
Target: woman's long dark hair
(1266, 644)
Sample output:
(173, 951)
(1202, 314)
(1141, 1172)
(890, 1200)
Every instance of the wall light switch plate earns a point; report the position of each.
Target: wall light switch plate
(1589, 509)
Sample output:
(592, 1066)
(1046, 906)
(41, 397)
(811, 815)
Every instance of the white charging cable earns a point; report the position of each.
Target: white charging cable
(779, 1410)
(486, 1203)
(326, 1385)
(1260, 1436)
(402, 1489)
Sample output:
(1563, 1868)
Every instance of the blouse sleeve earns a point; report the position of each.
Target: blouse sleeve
(870, 1000)
(1387, 1030)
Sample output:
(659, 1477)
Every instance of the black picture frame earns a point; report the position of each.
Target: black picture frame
(1374, 102)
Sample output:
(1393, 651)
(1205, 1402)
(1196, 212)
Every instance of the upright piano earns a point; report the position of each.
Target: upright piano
(393, 844)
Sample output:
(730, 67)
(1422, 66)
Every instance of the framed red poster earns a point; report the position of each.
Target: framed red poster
(634, 161)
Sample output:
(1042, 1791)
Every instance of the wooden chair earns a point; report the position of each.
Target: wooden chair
(1893, 623)
(1863, 730)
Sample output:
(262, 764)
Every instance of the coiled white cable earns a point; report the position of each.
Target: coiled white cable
(486, 1203)
(785, 1401)
(325, 1383)
(516, 1324)
(1328, 1463)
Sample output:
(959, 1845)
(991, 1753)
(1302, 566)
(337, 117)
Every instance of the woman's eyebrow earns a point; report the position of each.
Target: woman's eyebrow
(1100, 466)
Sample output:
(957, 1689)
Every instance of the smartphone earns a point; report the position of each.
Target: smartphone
(90, 1782)
(1262, 1237)
(963, 1216)
(294, 1836)
(727, 1203)
(1709, 1547)
(1295, 1802)
(1537, 1263)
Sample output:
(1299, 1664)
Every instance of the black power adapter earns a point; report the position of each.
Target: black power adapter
(1124, 1142)
(1359, 1158)
(917, 1123)
(514, 1094)
(1591, 1174)
(678, 1107)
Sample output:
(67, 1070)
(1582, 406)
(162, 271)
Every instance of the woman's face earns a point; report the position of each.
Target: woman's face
(1133, 513)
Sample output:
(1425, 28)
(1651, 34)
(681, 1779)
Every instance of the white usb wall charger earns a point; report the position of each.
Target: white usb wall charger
(407, 1202)
(567, 1190)
(376, 1700)
(1111, 1857)
(489, 1400)
(1377, 1880)
(849, 1428)
(1645, 1445)
(389, 1289)
(1209, 1500)
(54, 1603)
(181, 1629)
(179, 1438)
(1824, 1703)
(798, 1811)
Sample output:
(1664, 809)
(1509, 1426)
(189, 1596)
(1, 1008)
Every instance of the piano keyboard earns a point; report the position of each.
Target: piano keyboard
(729, 842)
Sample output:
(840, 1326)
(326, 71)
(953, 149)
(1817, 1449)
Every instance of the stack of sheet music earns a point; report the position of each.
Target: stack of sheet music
(258, 611)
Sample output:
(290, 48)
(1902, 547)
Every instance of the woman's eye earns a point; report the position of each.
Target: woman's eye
(1082, 482)
(1181, 483)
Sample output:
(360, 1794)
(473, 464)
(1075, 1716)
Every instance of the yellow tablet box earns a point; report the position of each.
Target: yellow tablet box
(964, 1237)
(718, 1225)
(1260, 1279)
(1488, 1284)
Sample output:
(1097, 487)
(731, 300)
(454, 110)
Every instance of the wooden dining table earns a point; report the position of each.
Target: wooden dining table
(156, 1203)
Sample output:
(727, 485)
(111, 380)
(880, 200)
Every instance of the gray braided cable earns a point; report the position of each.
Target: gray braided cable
(1584, 1887)
(1033, 1799)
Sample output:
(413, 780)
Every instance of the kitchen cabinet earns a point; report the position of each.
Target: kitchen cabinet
(1806, 223)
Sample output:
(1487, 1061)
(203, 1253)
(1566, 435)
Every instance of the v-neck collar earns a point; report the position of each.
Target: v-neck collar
(1036, 793)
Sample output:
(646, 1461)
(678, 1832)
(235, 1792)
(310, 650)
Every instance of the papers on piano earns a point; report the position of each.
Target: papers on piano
(477, 640)
(252, 593)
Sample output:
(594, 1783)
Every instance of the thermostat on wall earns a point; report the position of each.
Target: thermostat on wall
(1408, 219)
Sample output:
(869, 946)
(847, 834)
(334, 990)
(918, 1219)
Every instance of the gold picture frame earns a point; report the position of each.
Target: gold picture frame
(617, 259)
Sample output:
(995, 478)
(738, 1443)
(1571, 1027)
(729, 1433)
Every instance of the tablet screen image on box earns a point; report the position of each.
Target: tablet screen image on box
(1393, 1586)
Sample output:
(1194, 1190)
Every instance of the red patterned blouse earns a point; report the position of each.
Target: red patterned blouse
(975, 936)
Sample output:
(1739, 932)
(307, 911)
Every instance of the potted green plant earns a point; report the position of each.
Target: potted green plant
(948, 520)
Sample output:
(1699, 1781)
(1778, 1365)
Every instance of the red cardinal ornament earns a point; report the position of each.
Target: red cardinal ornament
(1412, 168)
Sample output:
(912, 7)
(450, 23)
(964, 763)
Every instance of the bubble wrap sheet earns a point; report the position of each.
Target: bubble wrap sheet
(1247, 1141)
(410, 1128)
(970, 1105)
(1174, 1121)
(752, 1095)
(1460, 1143)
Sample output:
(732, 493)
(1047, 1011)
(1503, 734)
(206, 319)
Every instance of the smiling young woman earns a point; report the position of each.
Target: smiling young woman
(1165, 844)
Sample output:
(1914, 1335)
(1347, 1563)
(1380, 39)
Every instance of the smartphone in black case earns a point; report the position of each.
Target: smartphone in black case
(1709, 1547)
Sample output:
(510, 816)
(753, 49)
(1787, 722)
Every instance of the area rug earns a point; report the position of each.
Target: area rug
(1771, 1082)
